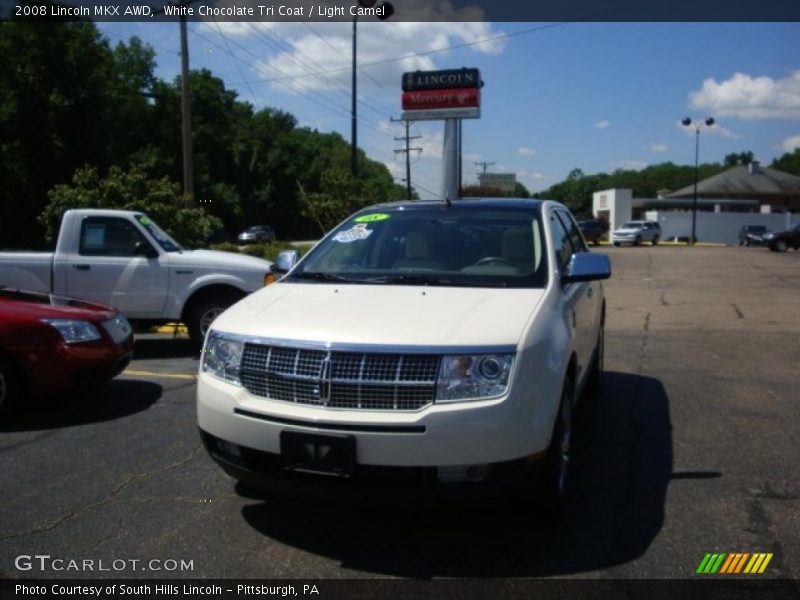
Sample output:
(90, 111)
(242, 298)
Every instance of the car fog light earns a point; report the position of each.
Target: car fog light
(463, 473)
(229, 448)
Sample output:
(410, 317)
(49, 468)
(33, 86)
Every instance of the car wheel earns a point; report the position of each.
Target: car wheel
(203, 313)
(9, 386)
(781, 246)
(655, 241)
(747, 243)
(616, 244)
(555, 469)
(637, 241)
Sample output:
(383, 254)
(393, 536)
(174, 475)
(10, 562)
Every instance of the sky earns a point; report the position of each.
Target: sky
(557, 96)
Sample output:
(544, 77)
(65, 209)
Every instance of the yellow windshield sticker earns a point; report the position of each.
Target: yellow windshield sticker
(372, 218)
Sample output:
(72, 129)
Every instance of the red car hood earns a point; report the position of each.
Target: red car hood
(22, 305)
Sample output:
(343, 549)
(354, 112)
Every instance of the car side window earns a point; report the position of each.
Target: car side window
(561, 242)
(575, 235)
(109, 236)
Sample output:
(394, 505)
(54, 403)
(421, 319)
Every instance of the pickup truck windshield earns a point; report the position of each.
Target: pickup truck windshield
(432, 246)
(159, 235)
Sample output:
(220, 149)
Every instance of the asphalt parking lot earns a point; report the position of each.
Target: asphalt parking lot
(692, 447)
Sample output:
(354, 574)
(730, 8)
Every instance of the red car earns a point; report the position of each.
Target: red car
(50, 344)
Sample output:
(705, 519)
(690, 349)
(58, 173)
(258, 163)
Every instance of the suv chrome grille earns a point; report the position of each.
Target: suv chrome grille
(362, 381)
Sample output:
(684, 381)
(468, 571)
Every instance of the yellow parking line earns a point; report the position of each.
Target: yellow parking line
(160, 374)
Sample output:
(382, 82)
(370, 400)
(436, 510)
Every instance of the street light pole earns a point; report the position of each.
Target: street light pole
(386, 12)
(353, 120)
(687, 122)
(186, 119)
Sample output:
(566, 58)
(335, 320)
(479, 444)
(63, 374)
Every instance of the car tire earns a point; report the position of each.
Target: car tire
(655, 241)
(203, 312)
(781, 246)
(637, 241)
(10, 388)
(616, 244)
(553, 476)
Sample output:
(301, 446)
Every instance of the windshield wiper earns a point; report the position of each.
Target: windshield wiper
(321, 276)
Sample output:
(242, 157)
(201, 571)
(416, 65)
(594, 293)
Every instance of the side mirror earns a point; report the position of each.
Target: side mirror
(587, 266)
(145, 249)
(286, 260)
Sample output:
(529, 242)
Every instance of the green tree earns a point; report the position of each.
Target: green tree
(788, 163)
(737, 158)
(130, 190)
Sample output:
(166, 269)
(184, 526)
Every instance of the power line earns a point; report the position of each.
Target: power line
(429, 52)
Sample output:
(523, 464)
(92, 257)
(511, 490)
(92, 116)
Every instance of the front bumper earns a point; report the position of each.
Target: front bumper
(469, 433)
(66, 366)
(264, 470)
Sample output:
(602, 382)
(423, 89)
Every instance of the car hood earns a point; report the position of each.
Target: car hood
(24, 305)
(384, 314)
(217, 259)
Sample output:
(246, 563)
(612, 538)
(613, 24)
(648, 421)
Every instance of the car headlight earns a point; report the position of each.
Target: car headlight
(74, 331)
(222, 356)
(473, 377)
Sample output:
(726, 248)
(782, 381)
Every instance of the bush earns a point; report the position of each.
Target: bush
(225, 247)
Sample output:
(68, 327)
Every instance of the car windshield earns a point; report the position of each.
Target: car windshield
(159, 235)
(756, 229)
(257, 229)
(632, 225)
(464, 246)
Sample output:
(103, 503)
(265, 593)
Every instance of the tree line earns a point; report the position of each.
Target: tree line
(87, 124)
(577, 189)
(84, 123)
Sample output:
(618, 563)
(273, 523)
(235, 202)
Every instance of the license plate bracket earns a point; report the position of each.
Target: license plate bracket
(333, 455)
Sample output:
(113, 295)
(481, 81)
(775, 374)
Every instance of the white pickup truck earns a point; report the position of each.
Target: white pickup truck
(122, 258)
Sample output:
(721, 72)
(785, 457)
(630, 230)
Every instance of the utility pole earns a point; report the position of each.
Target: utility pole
(407, 151)
(485, 165)
(186, 117)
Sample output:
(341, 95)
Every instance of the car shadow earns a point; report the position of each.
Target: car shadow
(622, 464)
(117, 399)
(158, 346)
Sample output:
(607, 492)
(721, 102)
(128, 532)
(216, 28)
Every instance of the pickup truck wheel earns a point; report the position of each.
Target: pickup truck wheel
(555, 470)
(9, 386)
(203, 313)
(655, 241)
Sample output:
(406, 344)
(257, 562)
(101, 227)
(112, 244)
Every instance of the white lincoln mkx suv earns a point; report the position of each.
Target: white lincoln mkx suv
(432, 344)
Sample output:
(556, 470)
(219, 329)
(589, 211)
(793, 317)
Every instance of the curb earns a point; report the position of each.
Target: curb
(173, 328)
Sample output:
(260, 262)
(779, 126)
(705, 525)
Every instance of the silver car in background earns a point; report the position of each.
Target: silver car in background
(636, 232)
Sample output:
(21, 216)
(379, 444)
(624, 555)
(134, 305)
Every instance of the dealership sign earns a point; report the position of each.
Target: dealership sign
(441, 80)
(425, 100)
(447, 94)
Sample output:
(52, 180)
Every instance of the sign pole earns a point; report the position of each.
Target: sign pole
(450, 160)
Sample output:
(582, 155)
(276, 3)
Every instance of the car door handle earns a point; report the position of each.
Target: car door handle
(82, 267)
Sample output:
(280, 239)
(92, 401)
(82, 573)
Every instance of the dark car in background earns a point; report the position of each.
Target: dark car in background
(783, 240)
(50, 344)
(592, 230)
(258, 234)
(752, 235)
